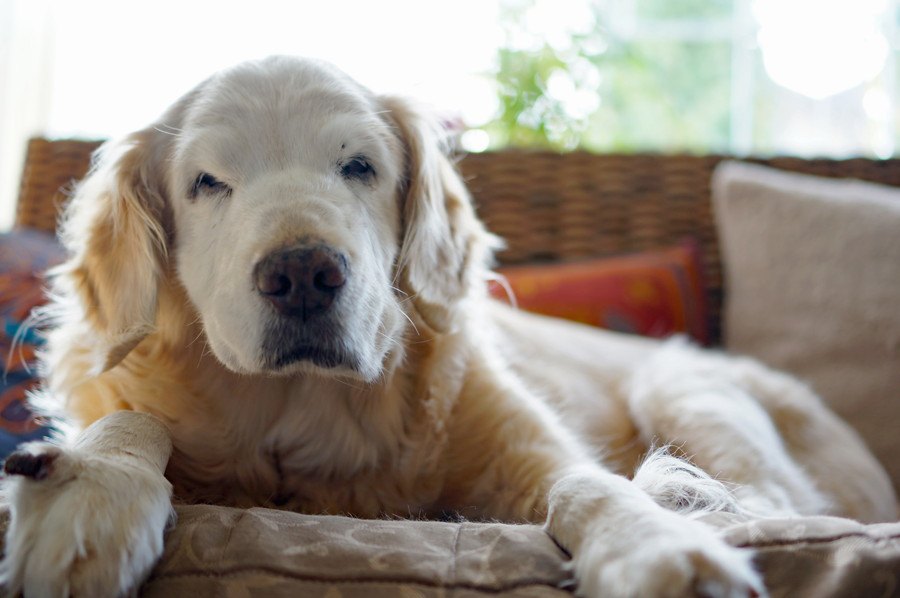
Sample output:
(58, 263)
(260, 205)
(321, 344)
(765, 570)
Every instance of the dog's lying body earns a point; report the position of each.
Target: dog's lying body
(389, 384)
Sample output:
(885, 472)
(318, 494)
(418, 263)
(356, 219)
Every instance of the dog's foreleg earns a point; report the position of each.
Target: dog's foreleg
(88, 519)
(624, 544)
(697, 402)
(511, 455)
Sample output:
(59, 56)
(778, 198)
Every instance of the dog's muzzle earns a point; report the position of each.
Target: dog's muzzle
(303, 284)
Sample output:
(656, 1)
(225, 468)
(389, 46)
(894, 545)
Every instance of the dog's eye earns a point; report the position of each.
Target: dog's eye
(357, 168)
(207, 184)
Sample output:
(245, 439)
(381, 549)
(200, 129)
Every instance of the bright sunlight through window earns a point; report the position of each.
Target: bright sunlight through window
(803, 77)
(822, 47)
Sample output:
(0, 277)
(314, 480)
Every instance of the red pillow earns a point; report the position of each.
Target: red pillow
(654, 293)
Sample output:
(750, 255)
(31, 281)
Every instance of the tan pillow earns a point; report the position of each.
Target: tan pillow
(812, 275)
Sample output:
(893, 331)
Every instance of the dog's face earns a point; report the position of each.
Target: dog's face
(284, 192)
(303, 216)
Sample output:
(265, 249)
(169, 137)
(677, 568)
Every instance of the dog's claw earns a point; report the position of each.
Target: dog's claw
(29, 465)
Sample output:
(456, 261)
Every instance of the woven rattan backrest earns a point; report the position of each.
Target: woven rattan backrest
(553, 207)
(51, 169)
(547, 206)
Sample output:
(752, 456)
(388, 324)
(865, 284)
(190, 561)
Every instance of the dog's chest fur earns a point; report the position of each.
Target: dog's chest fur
(308, 444)
(326, 455)
(311, 443)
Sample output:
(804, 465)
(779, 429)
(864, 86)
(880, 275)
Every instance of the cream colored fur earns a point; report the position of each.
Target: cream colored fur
(446, 401)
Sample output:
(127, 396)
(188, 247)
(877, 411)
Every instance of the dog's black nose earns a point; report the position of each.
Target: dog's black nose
(301, 281)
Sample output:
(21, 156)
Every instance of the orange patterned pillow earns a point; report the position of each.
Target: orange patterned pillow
(654, 293)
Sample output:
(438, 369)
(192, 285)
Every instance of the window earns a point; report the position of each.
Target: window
(735, 76)
(806, 77)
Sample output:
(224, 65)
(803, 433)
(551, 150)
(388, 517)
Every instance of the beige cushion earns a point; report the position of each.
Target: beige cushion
(220, 551)
(812, 276)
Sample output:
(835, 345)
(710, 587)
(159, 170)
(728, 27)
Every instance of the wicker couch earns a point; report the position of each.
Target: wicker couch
(548, 207)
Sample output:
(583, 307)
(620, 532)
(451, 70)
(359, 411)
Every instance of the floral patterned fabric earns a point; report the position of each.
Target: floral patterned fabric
(654, 293)
(220, 551)
(24, 256)
(819, 557)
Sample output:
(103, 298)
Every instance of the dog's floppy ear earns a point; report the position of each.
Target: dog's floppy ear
(116, 230)
(445, 249)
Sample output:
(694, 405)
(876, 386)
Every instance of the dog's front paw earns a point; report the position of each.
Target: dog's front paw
(82, 524)
(677, 558)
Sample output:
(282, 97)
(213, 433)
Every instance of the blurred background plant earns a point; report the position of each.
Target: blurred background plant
(737, 76)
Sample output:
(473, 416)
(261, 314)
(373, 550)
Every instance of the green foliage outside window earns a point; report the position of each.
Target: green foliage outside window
(605, 93)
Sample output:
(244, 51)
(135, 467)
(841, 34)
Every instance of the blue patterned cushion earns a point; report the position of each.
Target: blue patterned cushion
(24, 256)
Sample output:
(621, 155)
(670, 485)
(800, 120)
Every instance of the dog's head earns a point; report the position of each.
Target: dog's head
(304, 217)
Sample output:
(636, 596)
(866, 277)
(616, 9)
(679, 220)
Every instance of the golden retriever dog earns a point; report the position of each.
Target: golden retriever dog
(276, 296)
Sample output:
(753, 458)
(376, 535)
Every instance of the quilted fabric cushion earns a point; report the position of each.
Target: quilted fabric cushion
(654, 293)
(24, 255)
(221, 551)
